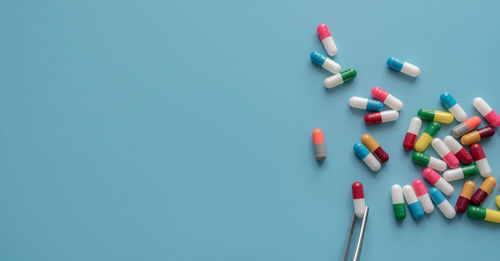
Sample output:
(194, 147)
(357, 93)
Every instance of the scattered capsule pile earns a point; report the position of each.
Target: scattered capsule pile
(455, 160)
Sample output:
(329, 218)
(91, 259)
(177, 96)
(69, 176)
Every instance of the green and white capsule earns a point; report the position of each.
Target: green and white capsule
(460, 173)
(429, 161)
(398, 202)
(340, 78)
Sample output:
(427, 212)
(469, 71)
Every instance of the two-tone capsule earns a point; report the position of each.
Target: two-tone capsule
(319, 144)
(381, 117)
(322, 60)
(445, 153)
(416, 210)
(465, 196)
(366, 156)
(451, 105)
(398, 202)
(460, 173)
(375, 148)
(426, 137)
(402, 66)
(460, 152)
(428, 161)
(327, 39)
(423, 195)
(340, 78)
(488, 113)
(385, 97)
(484, 214)
(358, 197)
(483, 191)
(480, 160)
(437, 116)
(442, 203)
(365, 104)
(412, 133)
(465, 127)
(435, 179)
(477, 136)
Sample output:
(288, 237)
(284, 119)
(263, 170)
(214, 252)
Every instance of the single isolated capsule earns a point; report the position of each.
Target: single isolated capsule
(365, 104)
(445, 153)
(442, 203)
(389, 100)
(366, 156)
(484, 214)
(437, 116)
(398, 202)
(488, 113)
(423, 196)
(465, 127)
(465, 195)
(414, 205)
(412, 133)
(435, 179)
(327, 40)
(480, 160)
(400, 65)
(460, 173)
(322, 60)
(477, 136)
(460, 152)
(426, 137)
(429, 161)
(340, 78)
(483, 191)
(375, 148)
(319, 144)
(451, 105)
(380, 117)
(358, 196)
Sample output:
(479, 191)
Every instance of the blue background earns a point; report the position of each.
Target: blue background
(181, 130)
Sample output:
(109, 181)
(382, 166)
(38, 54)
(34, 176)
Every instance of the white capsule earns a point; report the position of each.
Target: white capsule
(484, 167)
(391, 115)
(372, 162)
(409, 194)
(458, 112)
(359, 207)
(410, 69)
(481, 106)
(415, 125)
(333, 81)
(453, 174)
(397, 194)
(439, 146)
(437, 164)
(445, 187)
(452, 144)
(426, 203)
(442, 203)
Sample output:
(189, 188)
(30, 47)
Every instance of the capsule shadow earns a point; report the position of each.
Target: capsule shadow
(403, 76)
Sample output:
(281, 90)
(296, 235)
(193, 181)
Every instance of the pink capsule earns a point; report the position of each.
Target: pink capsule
(389, 100)
(488, 113)
(435, 179)
(445, 153)
(327, 39)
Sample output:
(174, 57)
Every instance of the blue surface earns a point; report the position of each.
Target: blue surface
(181, 130)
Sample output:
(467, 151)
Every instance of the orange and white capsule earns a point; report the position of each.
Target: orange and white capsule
(319, 144)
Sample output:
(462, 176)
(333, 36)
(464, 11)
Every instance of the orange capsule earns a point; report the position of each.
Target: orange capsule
(483, 191)
(319, 144)
(375, 148)
(477, 136)
(465, 196)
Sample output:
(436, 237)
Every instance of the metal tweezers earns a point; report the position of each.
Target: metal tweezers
(360, 238)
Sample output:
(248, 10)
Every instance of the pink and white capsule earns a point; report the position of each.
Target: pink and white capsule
(445, 153)
(423, 196)
(327, 40)
(488, 113)
(435, 179)
(389, 100)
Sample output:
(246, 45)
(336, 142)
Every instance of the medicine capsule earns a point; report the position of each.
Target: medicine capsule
(426, 137)
(358, 197)
(477, 136)
(497, 200)
(380, 117)
(437, 116)
(460, 152)
(442, 203)
(465, 127)
(327, 40)
(319, 144)
(414, 205)
(366, 156)
(484, 214)
(480, 160)
(423, 196)
(398, 202)
(460, 173)
(445, 153)
(340, 78)
(389, 100)
(322, 60)
(429, 161)
(412, 133)
(483, 191)
(488, 113)
(375, 148)
(400, 65)
(435, 179)
(465, 195)
(365, 104)
(451, 105)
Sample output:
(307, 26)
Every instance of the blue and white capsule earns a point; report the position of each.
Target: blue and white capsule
(322, 60)
(442, 203)
(451, 105)
(365, 104)
(401, 66)
(366, 156)
(416, 210)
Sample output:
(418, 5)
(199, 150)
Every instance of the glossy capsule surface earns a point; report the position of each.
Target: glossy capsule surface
(319, 144)
(412, 133)
(477, 136)
(460, 173)
(358, 197)
(426, 137)
(456, 148)
(435, 179)
(437, 116)
(483, 191)
(398, 202)
(452, 106)
(488, 113)
(442, 203)
(445, 153)
(399, 65)
(340, 78)
(385, 97)
(480, 160)
(416, 210)
(380, 117)
(466, 127)
(423, 195)
(365, 104)
(323, 61)
(366, 156)
(428, 161)
(375, 148)
(465, 196)
(326, 39)
(484, 214)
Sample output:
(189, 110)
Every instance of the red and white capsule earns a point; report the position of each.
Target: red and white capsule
(327, 39)
(358, 197)
(389, 100)
(445, 153)
(380, 117)
(412, 133)
(480, 159)
(460, 152)
(423, 196)
(488, 113)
